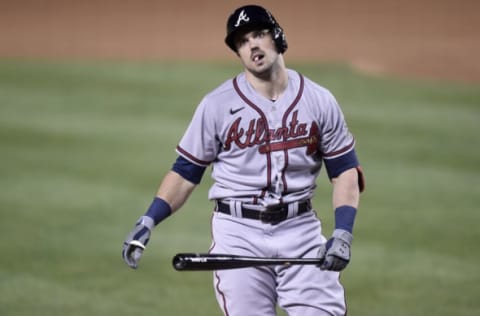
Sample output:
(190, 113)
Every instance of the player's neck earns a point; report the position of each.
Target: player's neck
(270, 84)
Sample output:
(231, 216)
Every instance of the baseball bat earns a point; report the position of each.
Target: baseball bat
(213, 261)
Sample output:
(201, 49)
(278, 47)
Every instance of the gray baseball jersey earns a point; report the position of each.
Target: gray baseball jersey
(263, 151)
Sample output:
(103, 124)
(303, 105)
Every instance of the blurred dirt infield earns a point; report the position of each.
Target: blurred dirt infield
(422, 38)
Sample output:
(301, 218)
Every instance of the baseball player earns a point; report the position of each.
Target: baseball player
(266, 134)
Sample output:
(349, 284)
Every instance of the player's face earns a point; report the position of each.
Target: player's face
(257, 51)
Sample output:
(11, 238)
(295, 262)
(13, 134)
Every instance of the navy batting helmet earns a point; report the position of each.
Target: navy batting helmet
(253, 17)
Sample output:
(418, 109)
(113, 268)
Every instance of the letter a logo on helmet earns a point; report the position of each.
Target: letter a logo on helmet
(242, 17)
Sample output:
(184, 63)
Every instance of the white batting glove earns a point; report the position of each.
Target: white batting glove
(336, 251)
(135, 243)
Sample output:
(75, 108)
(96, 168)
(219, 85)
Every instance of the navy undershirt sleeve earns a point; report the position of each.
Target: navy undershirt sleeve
(188, 170)
(336, 166)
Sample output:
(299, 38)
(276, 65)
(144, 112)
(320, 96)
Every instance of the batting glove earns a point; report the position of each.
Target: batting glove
(336, 251)
(136, 241)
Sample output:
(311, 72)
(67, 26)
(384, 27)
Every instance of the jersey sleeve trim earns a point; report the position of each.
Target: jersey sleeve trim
(192, 158)
(340, 151)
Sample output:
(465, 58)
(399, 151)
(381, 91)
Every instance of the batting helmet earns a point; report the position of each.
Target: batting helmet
(253, 17)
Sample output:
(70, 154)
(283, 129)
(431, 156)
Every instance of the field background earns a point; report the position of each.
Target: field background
(94, 97)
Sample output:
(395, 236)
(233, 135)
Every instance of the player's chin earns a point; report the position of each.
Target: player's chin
(259, 69)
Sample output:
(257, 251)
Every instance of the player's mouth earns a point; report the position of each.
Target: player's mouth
(257, 57)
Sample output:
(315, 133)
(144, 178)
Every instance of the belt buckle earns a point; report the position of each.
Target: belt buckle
(266, 216)
(274, 215)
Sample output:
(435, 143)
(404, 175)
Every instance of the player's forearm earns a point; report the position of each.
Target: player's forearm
(175, 190)
(345, 189)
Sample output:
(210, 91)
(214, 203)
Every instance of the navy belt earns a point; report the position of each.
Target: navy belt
(273, 215)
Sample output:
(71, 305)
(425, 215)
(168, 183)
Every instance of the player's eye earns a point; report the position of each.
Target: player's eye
(241, 41)
(261, 33)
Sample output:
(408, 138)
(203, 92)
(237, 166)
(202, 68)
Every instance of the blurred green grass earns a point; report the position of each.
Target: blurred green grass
(84, 146)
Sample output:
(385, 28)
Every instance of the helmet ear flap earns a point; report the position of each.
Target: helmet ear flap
(279, 38)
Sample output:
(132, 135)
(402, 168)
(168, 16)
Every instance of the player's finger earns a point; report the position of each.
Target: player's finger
(322, 251)
(129, 261)
(132, 253)
(126, 253)
(137, 254)
(327, 263)
(340, 265)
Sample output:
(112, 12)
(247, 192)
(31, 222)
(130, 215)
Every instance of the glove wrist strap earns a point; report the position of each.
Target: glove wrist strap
(343, 235)
(146, 221)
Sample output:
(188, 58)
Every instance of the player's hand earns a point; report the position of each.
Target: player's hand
(336, 251)
(136, 241)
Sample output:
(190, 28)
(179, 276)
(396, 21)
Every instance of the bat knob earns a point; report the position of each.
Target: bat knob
(178, 262)
(184, 261)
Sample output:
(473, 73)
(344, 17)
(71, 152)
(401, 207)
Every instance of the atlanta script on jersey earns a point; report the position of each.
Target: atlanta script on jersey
(265, 151)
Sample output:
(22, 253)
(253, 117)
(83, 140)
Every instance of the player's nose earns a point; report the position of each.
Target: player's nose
(253, 43)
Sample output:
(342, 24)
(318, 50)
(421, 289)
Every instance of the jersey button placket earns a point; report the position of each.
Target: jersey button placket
(278, 172)
(276, 165)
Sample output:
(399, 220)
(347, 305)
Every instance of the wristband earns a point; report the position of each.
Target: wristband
(345, 217)
(159, 210)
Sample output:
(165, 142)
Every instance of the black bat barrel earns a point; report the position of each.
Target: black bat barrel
(206, 262)
(200, 262)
